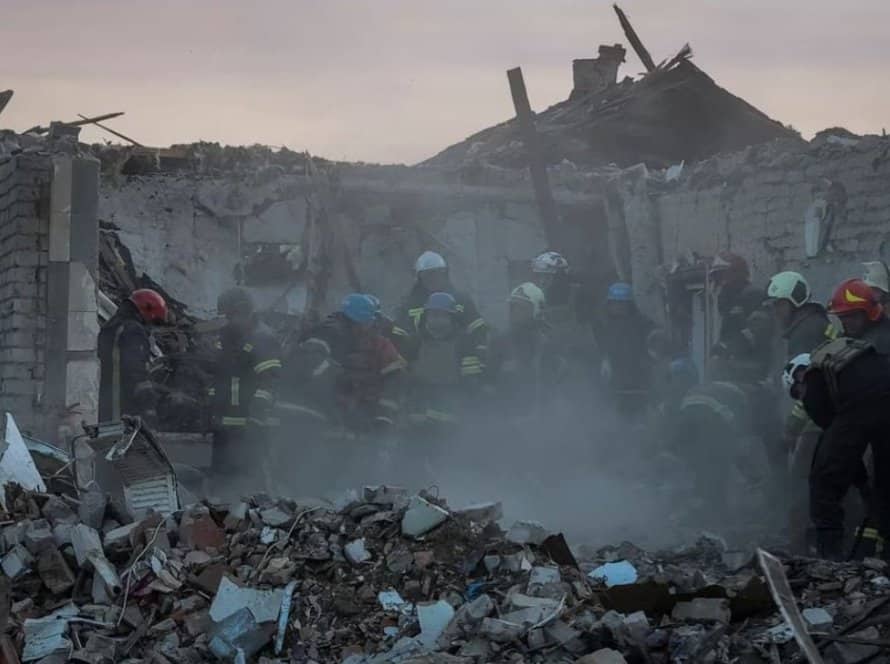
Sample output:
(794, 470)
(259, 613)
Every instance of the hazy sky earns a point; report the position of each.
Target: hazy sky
(398, 80)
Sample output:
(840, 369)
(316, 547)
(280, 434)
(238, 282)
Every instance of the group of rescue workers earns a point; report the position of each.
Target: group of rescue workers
(436, 359)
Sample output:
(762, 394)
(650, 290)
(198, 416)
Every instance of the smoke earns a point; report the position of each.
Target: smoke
(575, 466)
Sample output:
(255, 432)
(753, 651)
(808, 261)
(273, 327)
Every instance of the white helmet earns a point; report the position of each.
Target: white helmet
(530, 293)
(789, 286)
(877, 275)
(550, 262)
(430, 260)
(798, 362)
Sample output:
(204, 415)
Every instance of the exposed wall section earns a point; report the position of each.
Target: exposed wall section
(72, 364)
(24, 244)
(755, 202)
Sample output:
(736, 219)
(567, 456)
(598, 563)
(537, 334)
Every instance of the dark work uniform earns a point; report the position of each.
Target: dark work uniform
(407, 323)
(847, 395)
(124, 387)
(810, 327)
(735, 304)
(878, 335)
(243, 397)
(622, 342)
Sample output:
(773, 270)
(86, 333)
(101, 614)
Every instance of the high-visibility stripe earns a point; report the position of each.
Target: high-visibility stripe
(267, 366)
(415, 315)
(709, 402)
(475, 325)
(831, 332)
(248, 347)
(470, 360)
(265, 422)
(321, 368)
(384, 420)
(389, 404)
(398, 365)
(218, 345)
(211, 391)
(315, 341)
(399, 331)
(265, 395)
(481, 349)
(870, 534)
(439, 415)
(471, 371)
(297, 408)
(235, 391)
(799, 412)
(234, 421)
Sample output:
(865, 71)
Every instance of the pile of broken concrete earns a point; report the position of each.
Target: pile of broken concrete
(385, 576)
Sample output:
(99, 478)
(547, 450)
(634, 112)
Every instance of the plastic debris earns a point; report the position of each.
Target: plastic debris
(615, 574)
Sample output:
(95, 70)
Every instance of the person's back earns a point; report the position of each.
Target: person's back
(124, 355)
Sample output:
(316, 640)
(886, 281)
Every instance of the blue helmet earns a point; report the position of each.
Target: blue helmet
(374, 301)
(620, 292)
(441, 302)
(359, 308)
(683, 372)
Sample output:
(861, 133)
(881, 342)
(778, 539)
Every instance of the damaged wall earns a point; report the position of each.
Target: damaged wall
(24, 245)
(755, 202)
(183, 230)
(48, 265)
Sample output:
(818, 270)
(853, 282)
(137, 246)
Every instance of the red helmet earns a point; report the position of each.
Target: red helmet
(855, 295)
(150, 304)
(730, 267)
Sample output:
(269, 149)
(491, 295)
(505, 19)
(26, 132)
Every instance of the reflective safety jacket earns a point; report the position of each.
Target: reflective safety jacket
(246, 376)
(408, 317)
(444, 374)
(124, 355)
(356, 373)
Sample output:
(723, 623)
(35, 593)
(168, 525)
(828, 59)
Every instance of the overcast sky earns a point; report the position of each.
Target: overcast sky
(398, 80)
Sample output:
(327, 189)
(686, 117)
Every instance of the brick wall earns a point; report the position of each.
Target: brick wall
(24, 240)
(754, 203)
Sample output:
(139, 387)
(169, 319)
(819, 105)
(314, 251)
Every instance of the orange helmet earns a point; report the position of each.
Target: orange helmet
(855, 295)
(151, 305)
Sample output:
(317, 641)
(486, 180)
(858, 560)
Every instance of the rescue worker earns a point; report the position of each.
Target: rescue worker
(246, 378)
(714, 432)
(447, 371)
(621, 335)
(550, 272)
(351, 356)
(802, 437)
(877, 275)
(432, 277)
(859, 309)
(124, 356)
(803, 324)
(845, 392)
(741, 330)
(524, 363)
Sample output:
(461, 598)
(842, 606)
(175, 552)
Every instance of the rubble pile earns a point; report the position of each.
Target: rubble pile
(391, 577)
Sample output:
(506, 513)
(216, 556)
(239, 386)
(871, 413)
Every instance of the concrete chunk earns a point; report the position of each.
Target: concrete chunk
(817, 619)
(500, 631)
(527, 532)
(55, 572)
(17, 562)
(703, 609)
(231, 598)
(602, 656)
(421, 517)
(356, 553)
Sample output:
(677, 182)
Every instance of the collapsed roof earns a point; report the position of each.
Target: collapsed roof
(673, 113)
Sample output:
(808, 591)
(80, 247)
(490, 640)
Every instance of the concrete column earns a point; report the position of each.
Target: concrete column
(72, 361)
(644, 241)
